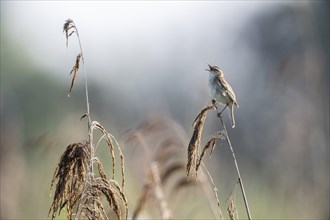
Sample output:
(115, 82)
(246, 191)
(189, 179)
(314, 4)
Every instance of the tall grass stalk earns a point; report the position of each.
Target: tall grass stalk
(195, 155)
(240, 181)
(78, 187)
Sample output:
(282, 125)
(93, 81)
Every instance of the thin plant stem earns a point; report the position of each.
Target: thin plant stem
(78, 188)
(240, 181)
(90, 132)
(215, 190)
(165, 213)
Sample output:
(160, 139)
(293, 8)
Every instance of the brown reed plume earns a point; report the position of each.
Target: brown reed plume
(195, 157)
(71, 174)
(195, 140)
(78, 187)
(160, 143)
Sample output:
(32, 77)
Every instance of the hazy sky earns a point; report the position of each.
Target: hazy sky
(113, 34)
(135, 47)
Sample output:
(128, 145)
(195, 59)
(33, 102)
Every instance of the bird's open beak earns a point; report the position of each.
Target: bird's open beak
(209, 67)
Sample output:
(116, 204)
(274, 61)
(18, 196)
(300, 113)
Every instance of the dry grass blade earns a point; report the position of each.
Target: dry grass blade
(211, 142)
(221, 135)
(103, 186)
(71, 177)
(75, 70)
(121, 196)
(100, 168)
(212, 149)
(122, 161)
(109, 137)
(195, 140)
(98, 126)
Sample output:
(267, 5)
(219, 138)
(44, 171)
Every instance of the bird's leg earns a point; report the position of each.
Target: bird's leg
(219, 113)
(214, 103)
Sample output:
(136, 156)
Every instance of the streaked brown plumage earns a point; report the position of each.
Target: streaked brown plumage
(221, 91)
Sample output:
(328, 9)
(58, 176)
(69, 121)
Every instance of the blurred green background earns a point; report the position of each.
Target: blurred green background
(148, 59)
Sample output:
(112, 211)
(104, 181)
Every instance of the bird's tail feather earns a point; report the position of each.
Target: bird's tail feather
(231, 115)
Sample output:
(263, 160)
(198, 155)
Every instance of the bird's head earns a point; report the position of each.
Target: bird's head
(214, 70)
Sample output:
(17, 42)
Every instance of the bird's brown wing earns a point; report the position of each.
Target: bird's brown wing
(228, 89)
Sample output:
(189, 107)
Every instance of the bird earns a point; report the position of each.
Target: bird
(221, 91)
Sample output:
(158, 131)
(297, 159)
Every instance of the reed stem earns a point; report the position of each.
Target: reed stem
(240, 181)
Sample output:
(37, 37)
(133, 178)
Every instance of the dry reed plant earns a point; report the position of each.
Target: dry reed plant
(231, 210)
(78, 187)
(195, 140)
(195, 157)
(71, 174)
(160, 143)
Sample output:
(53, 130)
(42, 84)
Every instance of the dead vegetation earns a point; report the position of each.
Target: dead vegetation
(79, 189)
(195, 157)
(84, 191)
(160, 142)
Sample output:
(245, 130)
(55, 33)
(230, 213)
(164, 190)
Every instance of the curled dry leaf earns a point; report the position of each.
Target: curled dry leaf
(83, 116)
(68, 25)
(75, 70)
